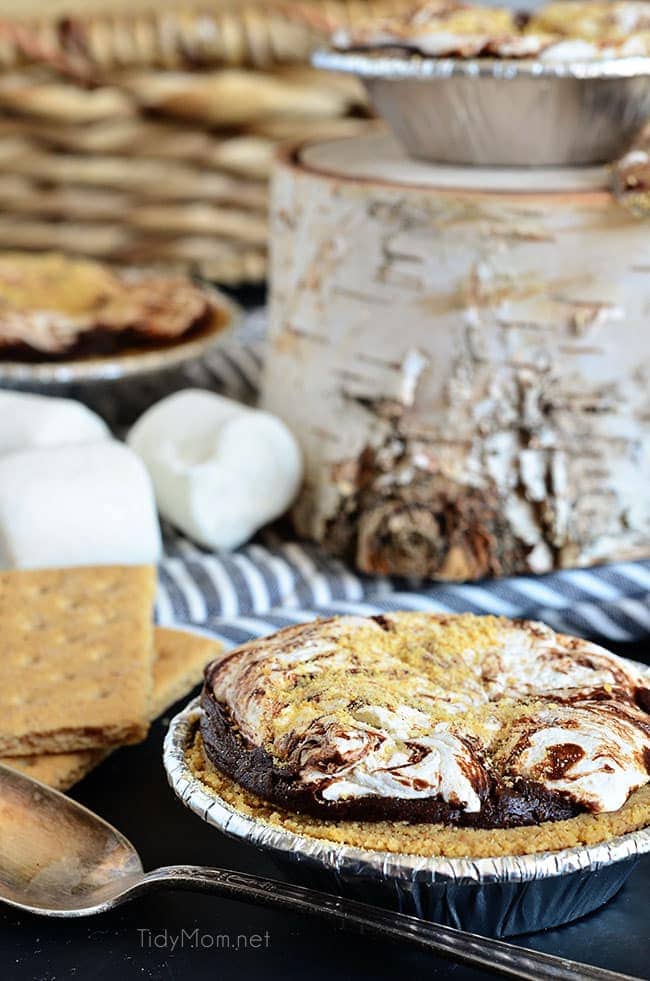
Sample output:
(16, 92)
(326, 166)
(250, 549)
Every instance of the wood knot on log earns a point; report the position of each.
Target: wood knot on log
(429, 527)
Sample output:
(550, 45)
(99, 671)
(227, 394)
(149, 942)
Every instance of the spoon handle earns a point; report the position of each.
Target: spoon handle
(468, 948)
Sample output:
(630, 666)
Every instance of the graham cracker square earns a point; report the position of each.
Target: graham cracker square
(178, 666)
(180, 658)
(76, 658)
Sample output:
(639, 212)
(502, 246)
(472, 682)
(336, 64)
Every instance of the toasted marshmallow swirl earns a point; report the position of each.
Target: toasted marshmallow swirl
(598, 756)
(453, 708)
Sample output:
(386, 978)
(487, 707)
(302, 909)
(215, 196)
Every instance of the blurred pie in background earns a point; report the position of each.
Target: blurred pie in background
(53, 306)
(560, 31)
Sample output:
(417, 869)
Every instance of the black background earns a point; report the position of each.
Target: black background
(130, 790)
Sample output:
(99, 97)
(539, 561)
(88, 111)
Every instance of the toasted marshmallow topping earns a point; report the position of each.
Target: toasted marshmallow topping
(389, 761)
(598, 756)
(414, 705)
(566, 31)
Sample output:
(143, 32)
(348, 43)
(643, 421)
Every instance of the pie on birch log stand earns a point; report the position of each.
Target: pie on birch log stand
(464, 357)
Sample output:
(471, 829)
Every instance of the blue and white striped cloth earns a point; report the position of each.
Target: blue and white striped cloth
(273, 582)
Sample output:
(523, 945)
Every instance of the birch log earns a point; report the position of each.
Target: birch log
(467, 370)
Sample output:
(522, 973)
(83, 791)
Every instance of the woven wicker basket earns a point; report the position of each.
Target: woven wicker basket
(141, 133)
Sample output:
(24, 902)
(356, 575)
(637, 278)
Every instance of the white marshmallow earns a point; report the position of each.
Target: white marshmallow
(220, 470)
(28, 421)
(91, 504)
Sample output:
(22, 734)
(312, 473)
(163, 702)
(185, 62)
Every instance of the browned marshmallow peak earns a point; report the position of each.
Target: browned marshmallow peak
(477, 721)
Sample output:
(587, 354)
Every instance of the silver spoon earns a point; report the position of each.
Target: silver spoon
(59, 859)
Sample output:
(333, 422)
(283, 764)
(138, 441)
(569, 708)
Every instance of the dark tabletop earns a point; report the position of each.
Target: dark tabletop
(219, 939)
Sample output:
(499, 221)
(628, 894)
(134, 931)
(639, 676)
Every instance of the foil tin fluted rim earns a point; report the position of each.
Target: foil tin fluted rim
(378, 64)
(129, 364)
(207, 804)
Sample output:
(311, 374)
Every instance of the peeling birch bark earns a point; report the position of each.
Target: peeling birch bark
(467, 372)
(631, 177)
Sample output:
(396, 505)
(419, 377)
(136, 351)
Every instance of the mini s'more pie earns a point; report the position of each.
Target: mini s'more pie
(461, 723)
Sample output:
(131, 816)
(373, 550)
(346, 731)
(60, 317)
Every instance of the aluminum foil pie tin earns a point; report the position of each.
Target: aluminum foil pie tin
(493, 896)
(503, 112)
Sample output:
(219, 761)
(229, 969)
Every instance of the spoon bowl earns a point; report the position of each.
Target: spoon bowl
(56, 857)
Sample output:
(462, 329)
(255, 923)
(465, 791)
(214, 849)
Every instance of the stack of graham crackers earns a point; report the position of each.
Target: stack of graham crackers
(147, 137)
(82, 669)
